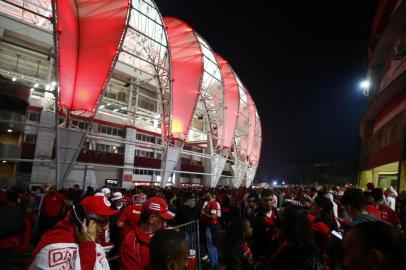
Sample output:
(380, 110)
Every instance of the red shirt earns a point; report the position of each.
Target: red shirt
(134, 250)
(130, 217)
(388, 215)
(372, 210)
(52, 204)
(270, 218)
(210, 209)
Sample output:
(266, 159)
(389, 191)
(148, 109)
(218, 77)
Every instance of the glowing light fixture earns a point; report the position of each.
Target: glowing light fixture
(9, 130)
(36, 85)
(14, 79)
(365, 85)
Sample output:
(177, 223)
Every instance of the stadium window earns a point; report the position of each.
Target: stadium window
(79, 124)
(33, 116)
(111, 131)
(109, 148)
(30, 138)
(121, 96)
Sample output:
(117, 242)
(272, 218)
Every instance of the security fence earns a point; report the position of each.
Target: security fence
(192, 233)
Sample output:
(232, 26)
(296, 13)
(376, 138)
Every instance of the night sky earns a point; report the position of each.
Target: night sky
(302, 62)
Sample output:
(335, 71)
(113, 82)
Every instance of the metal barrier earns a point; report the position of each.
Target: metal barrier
(192, 233)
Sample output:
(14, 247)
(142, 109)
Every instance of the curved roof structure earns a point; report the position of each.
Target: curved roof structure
(230, 117)
(231, 100)
(86, 54)
(187, 72)
(167, 81)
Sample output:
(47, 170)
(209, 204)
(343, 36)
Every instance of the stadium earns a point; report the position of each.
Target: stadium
(172, 112)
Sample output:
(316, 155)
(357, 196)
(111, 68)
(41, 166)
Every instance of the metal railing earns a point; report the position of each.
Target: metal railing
(192, 233)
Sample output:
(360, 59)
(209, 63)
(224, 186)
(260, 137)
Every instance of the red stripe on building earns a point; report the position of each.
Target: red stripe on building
(385, 155)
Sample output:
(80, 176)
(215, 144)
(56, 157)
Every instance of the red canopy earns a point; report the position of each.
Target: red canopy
(231, 100)
(89, 35)
(187, 70)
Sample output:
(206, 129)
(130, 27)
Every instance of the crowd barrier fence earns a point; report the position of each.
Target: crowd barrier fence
(192, 233)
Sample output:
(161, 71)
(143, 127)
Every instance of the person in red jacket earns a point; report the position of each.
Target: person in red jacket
(129, 219)
(71, 244)
(51, 211)
(134, 250)
(385, 212)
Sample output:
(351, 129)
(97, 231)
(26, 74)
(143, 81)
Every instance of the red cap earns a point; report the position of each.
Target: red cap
(159, 206)
(98, 205)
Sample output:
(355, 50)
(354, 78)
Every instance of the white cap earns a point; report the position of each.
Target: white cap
(117, 196)
(105, 190)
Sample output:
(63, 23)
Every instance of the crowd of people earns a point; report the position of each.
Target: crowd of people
(292, 227)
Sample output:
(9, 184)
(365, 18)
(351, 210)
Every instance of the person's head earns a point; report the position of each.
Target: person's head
(76, 187)
(253, 200)
(295, 226)
(208, 195)
(267, 199)
(68, 199)
(90, 190)
(353, 202)
(169, 250)
(327, 188)
(52, 189)
(374, 246)
(320, 205)
(170, 195)
(377, 195)
(154, 213)
(240, 229)
(313, 190)
(117, 198)
(106, 192)
(370, 186)
(98, 209)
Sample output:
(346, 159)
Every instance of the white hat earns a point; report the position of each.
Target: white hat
(105, 190)
(117, 196)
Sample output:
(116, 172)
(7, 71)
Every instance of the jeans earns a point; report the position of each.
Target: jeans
(191, 239)
(211, 240)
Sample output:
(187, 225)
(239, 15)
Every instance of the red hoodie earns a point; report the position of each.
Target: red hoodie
(134, 250)
(59, 248)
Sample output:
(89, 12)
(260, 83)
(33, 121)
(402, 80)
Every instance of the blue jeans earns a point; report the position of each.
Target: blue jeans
(211, 246)
(191, 239)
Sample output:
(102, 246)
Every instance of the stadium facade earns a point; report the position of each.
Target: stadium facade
(383, 126)
(172, 112)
